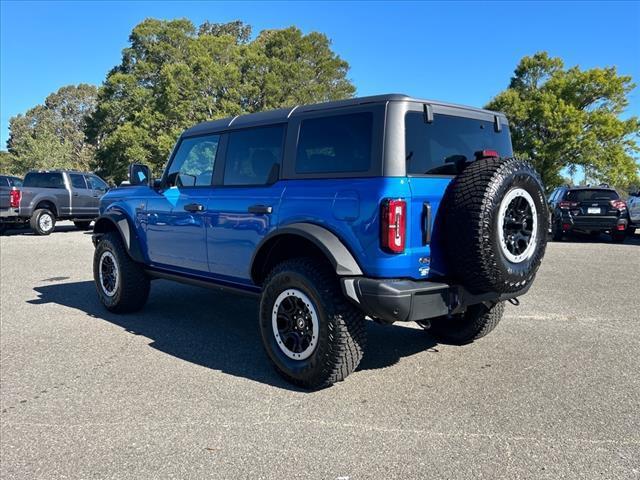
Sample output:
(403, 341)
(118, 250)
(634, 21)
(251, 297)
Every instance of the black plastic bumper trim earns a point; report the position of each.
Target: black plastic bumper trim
(394, 300)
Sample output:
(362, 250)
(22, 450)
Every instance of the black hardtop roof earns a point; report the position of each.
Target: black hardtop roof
(282, 114)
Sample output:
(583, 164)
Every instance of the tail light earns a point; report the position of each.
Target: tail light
(394, 225)
(14, 198)
(567, 205)
(486, 154)
(618, 204)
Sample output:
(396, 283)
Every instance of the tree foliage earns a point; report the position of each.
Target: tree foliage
(52, 135)
(570, 118)
(173, 75)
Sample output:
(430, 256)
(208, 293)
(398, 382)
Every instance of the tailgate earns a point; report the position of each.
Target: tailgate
(595, 208)
(426, 196)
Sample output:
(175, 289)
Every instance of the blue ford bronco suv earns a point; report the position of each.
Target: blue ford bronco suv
(390, 207)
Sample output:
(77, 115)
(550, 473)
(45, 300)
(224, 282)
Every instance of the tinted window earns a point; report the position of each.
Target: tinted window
(336, 144)
(44, 180)
(435, 148)
(193, 163)
(253, 156)
(96, 183)
(4, 182)
(587, 195)
(77, 181)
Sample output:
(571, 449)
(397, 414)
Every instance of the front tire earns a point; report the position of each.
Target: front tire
(311, 333)
(43, 221)
(476, 322)
(122, 284)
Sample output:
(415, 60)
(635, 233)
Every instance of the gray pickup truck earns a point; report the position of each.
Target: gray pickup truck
(48, 196)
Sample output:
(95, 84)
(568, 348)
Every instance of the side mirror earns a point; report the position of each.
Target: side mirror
(139, 174)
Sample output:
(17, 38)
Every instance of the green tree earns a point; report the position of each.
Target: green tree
(173, 76)
(52, 135)
(570, 118)
(8, 164)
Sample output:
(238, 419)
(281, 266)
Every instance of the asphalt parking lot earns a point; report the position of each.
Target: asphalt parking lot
(184, 389)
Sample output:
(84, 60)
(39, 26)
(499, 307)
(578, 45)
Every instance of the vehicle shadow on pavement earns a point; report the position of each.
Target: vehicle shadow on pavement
(27, 231)
(218, 330)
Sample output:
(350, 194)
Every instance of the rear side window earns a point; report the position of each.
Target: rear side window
(15, 182)
(44, 180)
(435, 148)
(77, 181)
(336, 144)
(588, 195)
(254, 156)
(192, 165)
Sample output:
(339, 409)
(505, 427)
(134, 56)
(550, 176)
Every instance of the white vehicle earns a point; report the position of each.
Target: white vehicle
(633, 206)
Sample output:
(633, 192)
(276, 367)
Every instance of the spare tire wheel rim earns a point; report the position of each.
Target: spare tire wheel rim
(295, 325)
(108, 273)
(517, 225)
(45, 222)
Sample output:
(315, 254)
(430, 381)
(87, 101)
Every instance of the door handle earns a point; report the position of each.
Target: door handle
(194, 207)
(426, 223)
(76, 194)
(260, 209)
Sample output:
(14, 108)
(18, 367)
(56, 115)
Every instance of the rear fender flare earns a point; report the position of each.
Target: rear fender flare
(341, 259)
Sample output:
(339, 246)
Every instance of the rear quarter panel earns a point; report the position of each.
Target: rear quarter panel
(32, 196)
(350, 208)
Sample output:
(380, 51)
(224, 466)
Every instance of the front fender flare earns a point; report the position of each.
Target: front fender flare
(120, 222)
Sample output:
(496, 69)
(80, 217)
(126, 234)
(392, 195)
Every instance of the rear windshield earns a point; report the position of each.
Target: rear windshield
(11, 181)
(44, 180)
(588, 195)
(435, 148)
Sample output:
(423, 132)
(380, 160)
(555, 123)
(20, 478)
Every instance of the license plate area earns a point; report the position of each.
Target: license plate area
(593, 210)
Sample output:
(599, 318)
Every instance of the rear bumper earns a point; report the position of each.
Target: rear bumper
(593, 223)
(8, 214)
(402, 300)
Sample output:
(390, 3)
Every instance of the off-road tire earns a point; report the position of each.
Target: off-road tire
(132, 290)
(34, 221)
(83, 225)
(475, 323)
(342, 328)
(470, 219)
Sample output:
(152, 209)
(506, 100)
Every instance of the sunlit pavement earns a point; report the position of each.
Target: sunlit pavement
(184, 389)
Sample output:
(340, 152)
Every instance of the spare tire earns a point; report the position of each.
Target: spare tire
(495, 225)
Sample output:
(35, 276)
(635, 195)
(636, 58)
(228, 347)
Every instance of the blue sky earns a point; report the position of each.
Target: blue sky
(458, 52)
